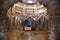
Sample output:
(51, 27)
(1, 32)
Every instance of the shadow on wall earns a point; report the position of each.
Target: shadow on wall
(58, 28)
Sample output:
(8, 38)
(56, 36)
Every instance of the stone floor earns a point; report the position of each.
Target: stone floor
(27, 35)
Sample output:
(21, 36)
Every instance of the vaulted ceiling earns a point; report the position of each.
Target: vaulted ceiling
(52, 5)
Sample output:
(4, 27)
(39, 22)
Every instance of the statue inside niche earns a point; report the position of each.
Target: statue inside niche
(41, 23)
(17, 22)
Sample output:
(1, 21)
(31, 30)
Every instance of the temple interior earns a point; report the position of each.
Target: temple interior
(30, 20)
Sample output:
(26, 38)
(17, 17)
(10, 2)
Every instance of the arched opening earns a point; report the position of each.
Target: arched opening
(26, 17)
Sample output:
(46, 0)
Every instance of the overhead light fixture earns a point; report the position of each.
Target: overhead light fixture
(30, 1)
